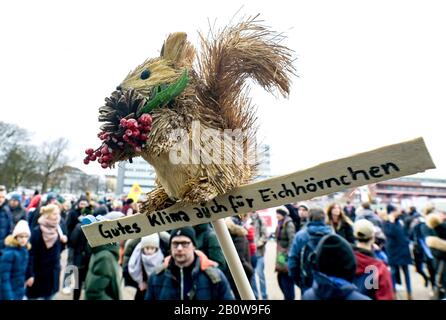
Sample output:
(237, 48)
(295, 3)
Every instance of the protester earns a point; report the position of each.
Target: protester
(350, 211)
(302, 253)
(340, 223)
(369, 214)
(335, 268)
(187, 274)
(285, 233)
(17, 212)
(47, 242)
(6, 223)
(397, 247)
(437, 243)
(372, 277)
(103, 280)
(238, 235)
(146, 256)
(207, 243)
(14, 262)
(261, 239)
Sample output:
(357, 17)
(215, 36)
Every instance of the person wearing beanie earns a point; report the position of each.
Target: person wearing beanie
(13, 263)
(285, 232)
(397, 246)
(335, 268)
(17, 211)
(372, 276)
(303, 248)
(47, 243)
(144, 259)
(187, 274)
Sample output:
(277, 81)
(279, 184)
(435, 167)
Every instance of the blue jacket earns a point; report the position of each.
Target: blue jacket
(397, 244)
(332, 288)
(6, 223)
(203, 282)
(315, 230)
(13, 263)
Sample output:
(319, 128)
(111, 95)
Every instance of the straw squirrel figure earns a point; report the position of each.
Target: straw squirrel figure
(179, 88)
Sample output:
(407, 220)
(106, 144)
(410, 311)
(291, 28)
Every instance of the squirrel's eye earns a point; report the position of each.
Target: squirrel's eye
(145, 74)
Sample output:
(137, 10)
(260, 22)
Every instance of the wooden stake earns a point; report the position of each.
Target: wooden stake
(233, 260)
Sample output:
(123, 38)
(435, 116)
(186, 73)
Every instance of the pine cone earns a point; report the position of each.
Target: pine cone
(119, 105)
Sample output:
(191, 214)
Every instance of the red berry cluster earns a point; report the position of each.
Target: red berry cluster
(131, 136)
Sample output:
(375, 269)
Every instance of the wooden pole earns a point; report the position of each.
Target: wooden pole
(233, 260)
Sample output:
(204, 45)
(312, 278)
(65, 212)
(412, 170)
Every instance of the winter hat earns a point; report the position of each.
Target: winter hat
(16, 197)
(335, 257)
(112, 215)
(152, 240)
(50, 196)
(303, 205)
(282, 210)
(21, 227)
(185, 231)
(363, 230)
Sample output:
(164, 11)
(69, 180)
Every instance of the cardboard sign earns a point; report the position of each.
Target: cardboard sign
(385, 163)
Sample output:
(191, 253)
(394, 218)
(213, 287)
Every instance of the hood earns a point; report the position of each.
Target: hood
(113, 248)
(331, 288)
(205, 262)
(235, 229)
(365, 259)
(10, 241)
(318, 228)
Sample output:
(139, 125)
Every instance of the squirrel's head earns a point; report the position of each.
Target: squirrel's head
(128, 113)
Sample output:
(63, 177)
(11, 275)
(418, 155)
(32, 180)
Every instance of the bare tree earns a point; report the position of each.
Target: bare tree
(53, 162)
(20, 166)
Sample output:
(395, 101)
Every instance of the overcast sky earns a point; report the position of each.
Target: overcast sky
(370, 73)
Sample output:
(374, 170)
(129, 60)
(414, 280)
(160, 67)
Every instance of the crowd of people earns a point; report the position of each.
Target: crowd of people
(340, 252)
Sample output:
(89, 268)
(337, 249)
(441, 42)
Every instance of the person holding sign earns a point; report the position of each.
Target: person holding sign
(187, 274)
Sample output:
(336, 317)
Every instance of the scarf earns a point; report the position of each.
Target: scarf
(139, 261)
(49, 228)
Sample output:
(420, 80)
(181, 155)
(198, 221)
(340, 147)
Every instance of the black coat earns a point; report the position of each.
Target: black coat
(44, 266)
(6, 224)
(346, 231)
(397, 244)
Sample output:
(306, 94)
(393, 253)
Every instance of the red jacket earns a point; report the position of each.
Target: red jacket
(251, 239)
(385, 287)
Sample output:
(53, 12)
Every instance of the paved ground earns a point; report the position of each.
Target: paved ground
(274, 293)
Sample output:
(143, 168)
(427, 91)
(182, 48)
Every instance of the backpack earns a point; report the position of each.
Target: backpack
(307, 259)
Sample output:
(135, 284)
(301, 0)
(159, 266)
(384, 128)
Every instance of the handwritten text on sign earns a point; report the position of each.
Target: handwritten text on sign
(366, 168)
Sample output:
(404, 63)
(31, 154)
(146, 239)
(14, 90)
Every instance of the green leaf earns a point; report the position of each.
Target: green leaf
(164, 95)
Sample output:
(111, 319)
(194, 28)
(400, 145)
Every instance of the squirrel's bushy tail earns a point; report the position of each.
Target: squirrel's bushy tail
(229, 58)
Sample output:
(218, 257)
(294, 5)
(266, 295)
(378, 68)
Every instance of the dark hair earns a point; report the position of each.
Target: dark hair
(317, 214)
(366, 205)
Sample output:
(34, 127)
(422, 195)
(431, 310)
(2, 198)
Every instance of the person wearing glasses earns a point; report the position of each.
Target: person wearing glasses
(187, 274)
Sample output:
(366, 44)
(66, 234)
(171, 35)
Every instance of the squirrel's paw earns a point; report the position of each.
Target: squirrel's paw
(157, 199)
(200, 193)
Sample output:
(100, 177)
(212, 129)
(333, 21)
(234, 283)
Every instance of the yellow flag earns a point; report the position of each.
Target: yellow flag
(135, 192)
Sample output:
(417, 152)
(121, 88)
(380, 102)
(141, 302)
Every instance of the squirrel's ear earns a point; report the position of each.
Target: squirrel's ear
(177, 49)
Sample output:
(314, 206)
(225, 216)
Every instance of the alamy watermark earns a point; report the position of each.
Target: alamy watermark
(211, 146)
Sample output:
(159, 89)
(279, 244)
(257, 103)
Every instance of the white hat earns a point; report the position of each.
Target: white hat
(20, 228)
(112, 215)
(152, 240)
